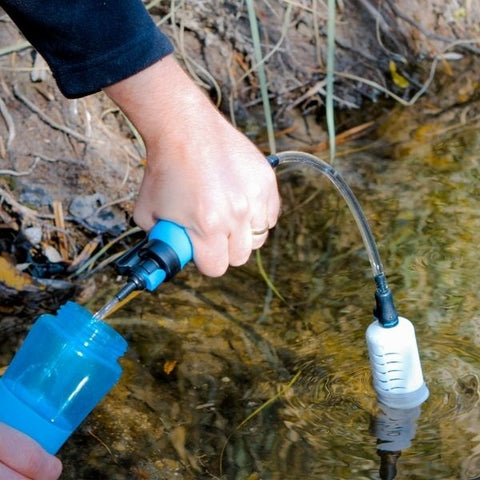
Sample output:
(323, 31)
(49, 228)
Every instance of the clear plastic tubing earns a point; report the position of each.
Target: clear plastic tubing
(357, 212)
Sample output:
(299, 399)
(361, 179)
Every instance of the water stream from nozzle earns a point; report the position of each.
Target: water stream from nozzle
(112, 303)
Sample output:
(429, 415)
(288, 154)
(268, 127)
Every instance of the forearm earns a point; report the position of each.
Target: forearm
(160, 99)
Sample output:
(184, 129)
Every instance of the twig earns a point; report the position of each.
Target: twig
(104, 263)
(152, 4)
(48, 120)
(28, 212)
(305, 8)
(382, 24)
(14, 173)
(18, 206)
(283, 34)
(191, 64)
(37, 158)
(60, 224)
(258, 410)
(126, 198)
(9, 122)
(329, 110)
(261, 74)
(94, 258)
(344, 137)
(45, 158)
(266, 277)
(424, 87)
(85, 254)
(101, 442)
(14, 48)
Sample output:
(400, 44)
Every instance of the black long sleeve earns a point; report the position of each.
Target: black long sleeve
(90, 44)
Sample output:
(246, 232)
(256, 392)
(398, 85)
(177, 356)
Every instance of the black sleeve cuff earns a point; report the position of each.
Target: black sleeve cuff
(90, 44)
(97, 72)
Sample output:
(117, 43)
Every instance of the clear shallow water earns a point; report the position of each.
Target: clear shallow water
(206, 354)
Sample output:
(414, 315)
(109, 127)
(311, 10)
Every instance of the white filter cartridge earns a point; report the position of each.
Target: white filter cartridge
(396, 369)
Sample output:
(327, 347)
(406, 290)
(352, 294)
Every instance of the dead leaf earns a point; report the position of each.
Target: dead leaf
(13, 278)
(398, 80)
(85, 254)
(168, 366)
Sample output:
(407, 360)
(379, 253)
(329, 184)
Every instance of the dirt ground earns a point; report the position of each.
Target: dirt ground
(70, 169)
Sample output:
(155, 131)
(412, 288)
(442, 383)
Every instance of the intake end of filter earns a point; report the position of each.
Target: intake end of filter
(395, 362)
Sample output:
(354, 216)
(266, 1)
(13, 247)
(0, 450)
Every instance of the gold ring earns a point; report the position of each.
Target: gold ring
(260, 231)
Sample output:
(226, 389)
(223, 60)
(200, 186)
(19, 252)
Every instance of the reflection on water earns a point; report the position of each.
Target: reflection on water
(204, 392)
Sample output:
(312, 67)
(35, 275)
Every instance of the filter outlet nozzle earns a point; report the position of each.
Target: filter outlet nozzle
(395, 361)
(384, 311)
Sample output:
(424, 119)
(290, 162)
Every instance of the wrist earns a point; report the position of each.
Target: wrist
(159, 100)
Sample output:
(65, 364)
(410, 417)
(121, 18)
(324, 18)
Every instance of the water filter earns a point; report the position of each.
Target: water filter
(65, 366)
(395, 362)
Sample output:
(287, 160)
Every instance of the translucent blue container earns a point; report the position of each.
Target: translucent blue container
(65, 366)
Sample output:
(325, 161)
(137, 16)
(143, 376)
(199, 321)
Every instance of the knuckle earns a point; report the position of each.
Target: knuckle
(258, 189)
(35, 460)
(39, 464)
(240, 206)
(211, 223)
(219, 271)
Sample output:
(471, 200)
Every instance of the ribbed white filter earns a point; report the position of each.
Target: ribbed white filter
(396, 369)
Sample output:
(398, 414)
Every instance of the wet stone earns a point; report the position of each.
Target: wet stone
(90, 210)
(35, 196)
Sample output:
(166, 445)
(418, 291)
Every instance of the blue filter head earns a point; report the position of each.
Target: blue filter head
(395, 362)
(65, 366)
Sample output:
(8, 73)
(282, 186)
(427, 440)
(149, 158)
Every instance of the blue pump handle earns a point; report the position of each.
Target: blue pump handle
(176, 251)
(176, 237)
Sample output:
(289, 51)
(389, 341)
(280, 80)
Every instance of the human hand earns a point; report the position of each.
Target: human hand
(21, 458)
(201, 172)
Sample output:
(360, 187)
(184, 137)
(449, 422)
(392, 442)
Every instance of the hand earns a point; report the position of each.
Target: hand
(21, 458)
(201, 172)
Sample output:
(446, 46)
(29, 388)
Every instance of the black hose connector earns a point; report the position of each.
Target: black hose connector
(384, 311)
(273, 160)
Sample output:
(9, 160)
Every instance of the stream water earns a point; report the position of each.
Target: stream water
(226, 379)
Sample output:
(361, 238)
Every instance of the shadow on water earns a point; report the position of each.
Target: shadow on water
(206, 354)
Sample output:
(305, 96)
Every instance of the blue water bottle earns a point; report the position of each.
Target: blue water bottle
(66, 364)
